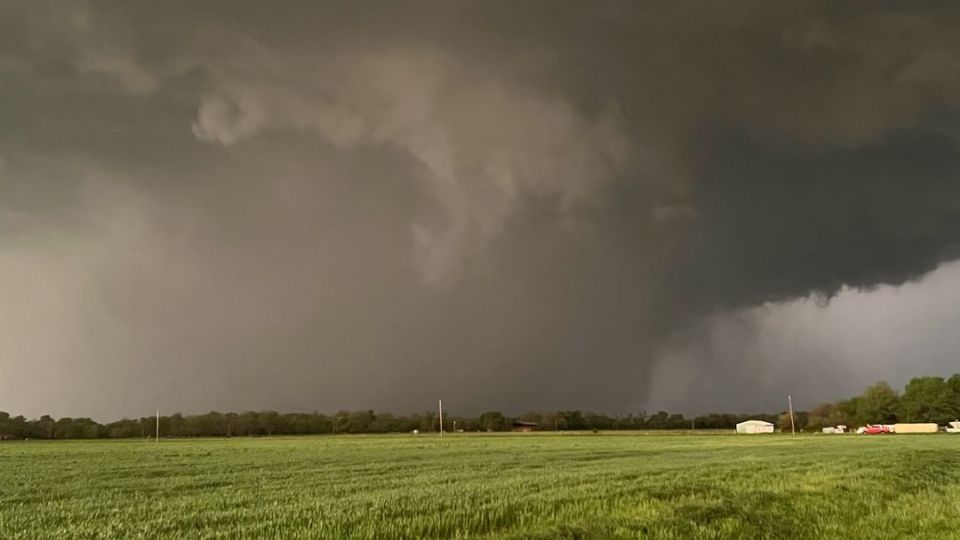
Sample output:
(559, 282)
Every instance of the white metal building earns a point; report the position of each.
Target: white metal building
(754, 426)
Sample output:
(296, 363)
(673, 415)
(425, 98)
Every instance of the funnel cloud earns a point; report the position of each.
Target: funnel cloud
(516, 206)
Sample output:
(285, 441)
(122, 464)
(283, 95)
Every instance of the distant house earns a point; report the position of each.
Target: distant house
(524, 427)
(754, 426)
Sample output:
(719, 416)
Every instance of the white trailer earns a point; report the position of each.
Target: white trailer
(916, 428)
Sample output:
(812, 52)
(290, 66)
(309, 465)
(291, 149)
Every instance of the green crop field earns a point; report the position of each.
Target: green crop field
(478, 486)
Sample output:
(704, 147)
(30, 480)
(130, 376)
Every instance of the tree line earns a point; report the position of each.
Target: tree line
(266, 423)
(924, 399)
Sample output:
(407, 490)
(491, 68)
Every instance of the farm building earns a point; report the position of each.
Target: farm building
(915, 428)
(524, 427)
(754, 426)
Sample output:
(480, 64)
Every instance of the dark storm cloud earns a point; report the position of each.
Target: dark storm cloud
(347, 205)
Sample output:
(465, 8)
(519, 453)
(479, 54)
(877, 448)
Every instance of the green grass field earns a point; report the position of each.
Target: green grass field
(498, 486)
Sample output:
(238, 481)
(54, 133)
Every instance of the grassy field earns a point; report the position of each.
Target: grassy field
(505, 486)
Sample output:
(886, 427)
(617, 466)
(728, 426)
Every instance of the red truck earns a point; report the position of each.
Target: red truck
(877, 429)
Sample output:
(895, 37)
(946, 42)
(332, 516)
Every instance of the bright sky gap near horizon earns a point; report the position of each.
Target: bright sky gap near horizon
(609, 206)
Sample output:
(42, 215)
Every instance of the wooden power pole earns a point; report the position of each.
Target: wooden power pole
(793, 427)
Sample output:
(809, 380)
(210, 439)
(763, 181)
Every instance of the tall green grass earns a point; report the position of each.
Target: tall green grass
(498, 486)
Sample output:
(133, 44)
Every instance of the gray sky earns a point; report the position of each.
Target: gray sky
(601, 205)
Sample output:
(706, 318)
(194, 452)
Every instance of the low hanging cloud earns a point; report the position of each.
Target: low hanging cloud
(482, 144)
(814, 348)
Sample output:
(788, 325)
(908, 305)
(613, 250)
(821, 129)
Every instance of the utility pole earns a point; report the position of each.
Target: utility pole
(793, 427)
(440, 403)
(158, 425)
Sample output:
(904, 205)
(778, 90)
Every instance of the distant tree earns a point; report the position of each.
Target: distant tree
(122, 429)
(268, 423)
(550, 421)
(93, 430)
(802, 418)
(800, 421)
(877, 405)
(175, 425)
(43, 428)
(821, 416)
(625, 422)
(339, 420)
(783, 422)
(846, 412)
(427, 422)
(9, 426)
(677, 421)
(928, 399)
(493, 421)
(707, 421)
(599, 421)
(716, 421)
(383, 423)
(230, 421)
(358, 421)
(954, 384)
(657, 421)
(572, 420)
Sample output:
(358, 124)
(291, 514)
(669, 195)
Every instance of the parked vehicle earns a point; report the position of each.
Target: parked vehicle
(876, 429)
(928, 427)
